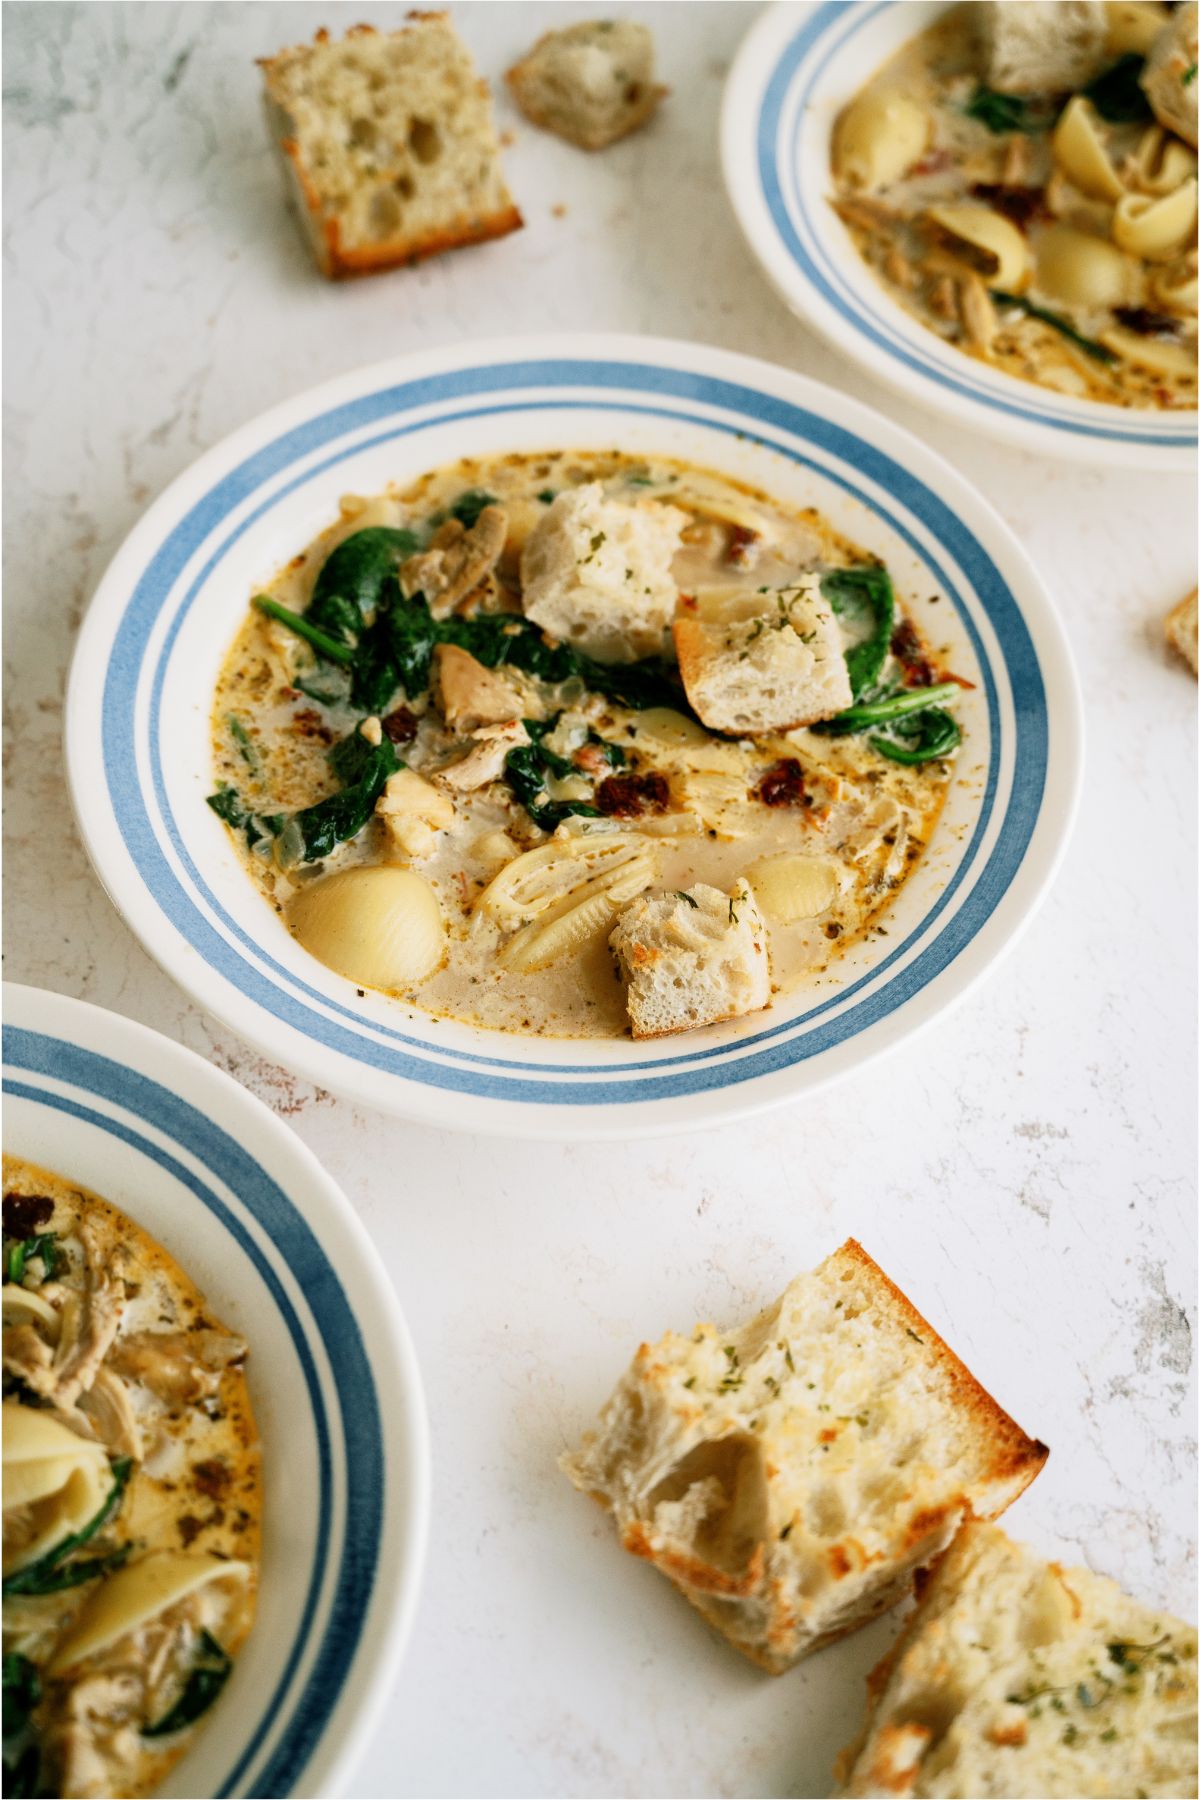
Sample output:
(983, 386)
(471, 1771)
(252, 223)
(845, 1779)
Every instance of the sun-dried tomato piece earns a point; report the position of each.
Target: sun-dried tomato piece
(627, 796)
(309, 723)
(400, 726)
(783, 784)
(25, 1214)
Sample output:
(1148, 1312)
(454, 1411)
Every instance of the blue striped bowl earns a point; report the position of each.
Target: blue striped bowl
(139, 759)
(250, 1214)
(793, 74)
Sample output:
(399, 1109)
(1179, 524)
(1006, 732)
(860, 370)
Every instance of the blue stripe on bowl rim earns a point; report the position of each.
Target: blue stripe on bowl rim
(308, 1711)
(495, 388)
(778, 165)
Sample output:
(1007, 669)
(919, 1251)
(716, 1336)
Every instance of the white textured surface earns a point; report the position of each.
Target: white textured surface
(1025, 1172)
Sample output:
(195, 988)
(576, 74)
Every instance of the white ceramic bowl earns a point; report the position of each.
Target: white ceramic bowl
(138, 708)
(795, 71)
(250, 1214)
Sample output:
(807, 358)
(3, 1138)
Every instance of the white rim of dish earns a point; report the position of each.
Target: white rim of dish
(267, 1190)
(795, 68)
(460, 1078)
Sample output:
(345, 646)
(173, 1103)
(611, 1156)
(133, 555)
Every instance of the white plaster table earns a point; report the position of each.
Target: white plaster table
(1025, 1171)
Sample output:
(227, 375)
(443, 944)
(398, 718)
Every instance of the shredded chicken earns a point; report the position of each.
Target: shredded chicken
(898, 269)
(89, 1738)
(107, 1405)
(485, 760)
(470, 695)
(178, 1366)
(457, 560)
(943, 298)
(1018, 161)
(977, 312)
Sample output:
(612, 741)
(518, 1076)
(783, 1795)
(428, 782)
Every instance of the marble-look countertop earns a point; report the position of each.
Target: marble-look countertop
(1024, 1171)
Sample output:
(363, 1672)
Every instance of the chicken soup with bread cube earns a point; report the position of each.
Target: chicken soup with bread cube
(519, 740)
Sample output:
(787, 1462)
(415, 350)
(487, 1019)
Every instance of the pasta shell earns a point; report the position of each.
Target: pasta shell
(1082, 270)
(989, 241)
(791, 888)
(24, 1306)
(539, 945)
(533, 882)
(1079, 149)
(136, 1593)
(1177, 292)
(878, 137)
(31, 1434)
(1156, 227)
(1133, 26)
(1161, 163)
(1156, 354)
(379, 926)
(61, 1496)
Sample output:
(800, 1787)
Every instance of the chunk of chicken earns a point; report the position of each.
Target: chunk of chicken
(88, 1320)
(470, 695)
(178, 1366)
(412, 811)
(457, 560)
(977, 312)
(89, 1739)
(108, 1408)
(485, 759)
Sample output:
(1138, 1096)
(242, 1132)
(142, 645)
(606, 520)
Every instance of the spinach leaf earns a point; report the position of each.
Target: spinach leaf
(206, 1678)
(21, 1251)
(1010, 112)
(244, 742)
(888, 706)
(919, 737)
(411, 632)
(48, 1575)
(467, 508)
(228, 804)
(355, 580)
(1117, 93)
(1100, 351)
(316, 831)
(863, 596)
(375, 675)
(329, 647)
(525, 771)
(22, 1691)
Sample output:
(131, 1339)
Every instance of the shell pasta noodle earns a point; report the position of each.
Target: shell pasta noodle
(1038, 207)
(462, 736)
(132, 1497)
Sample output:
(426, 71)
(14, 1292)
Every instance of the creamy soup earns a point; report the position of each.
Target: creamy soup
(1052, 233)
(131, 1497)
(394, 703)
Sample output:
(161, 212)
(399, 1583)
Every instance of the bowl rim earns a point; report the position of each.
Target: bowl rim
(637, 368)
(776, 76)
(61, 1052)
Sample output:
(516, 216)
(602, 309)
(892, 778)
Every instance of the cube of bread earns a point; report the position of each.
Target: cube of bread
(1042, 46)
(388, 145)
(1169, 77)
(1016, 1676)
(597, 573)
(692, 958)
(1183, 631)
(761, 662)
(790, 1477)
(591, 84)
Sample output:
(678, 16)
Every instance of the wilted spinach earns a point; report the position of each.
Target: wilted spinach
(863, 598)
(208, 1674)
(52, 1572)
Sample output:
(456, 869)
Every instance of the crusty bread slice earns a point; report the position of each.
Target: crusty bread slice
(692, 958)
(1016, 1676)
(597, 572)
(1169, 77)
(756, 662)
(388, 145)
(790, 1477)
(591, 84)
(1042, 46)
(1182, 631)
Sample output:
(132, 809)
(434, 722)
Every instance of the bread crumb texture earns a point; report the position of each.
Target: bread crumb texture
(591, 84)
(1042, 46)
(388, 145)
(1019, 1677)
(754, 663)
(692, 958)
(792, 1476)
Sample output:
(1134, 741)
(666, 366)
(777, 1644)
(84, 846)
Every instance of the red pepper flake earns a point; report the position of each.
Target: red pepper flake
(688, 602)
(627, 796)
(400, 726)
(25, 1214)
(783, 784)
(909, 652)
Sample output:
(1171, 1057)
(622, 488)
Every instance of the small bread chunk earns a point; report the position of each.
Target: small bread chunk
(1042, 46)
(1182, 631)
(1169, 77)
(791, 1476)
(597, 573)
(591, 84)
(1016, 1676)
(692, 958)
(469, 694)
(754, 663)
(388, 145)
